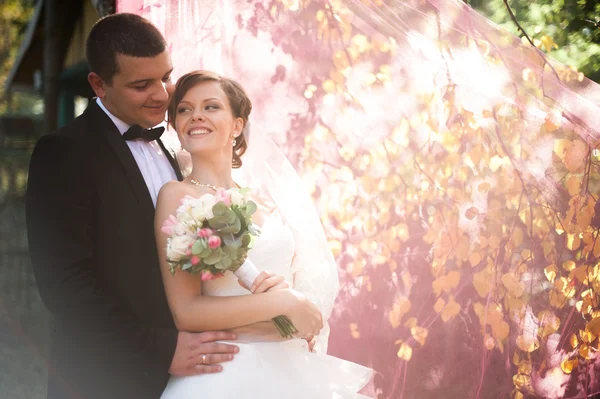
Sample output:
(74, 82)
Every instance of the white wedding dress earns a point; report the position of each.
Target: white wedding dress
(271, 370)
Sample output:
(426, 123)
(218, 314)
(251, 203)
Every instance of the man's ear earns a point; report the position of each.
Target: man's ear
(98, 85)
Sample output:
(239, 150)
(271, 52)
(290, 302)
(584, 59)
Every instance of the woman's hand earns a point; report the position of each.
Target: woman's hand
(267, 281)
(304, 314)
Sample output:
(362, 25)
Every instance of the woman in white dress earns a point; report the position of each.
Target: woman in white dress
(298, 277)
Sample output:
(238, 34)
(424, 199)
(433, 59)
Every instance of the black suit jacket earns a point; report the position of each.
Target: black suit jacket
(91, 240)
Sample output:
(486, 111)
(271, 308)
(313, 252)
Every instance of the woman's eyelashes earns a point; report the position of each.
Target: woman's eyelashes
(210, 107)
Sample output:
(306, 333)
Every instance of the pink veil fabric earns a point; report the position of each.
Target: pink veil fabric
(454, 168)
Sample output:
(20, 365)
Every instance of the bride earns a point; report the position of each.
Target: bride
(209, 114)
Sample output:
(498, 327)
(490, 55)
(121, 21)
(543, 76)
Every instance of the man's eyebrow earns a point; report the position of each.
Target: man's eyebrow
(140, 81)
(148, 79)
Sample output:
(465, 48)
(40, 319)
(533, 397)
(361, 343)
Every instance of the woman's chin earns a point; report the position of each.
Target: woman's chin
(200, 150)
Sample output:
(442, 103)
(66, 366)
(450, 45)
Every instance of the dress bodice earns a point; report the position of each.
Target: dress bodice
(273, 251)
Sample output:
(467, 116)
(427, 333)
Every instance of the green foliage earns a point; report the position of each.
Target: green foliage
(574, 25)
(14, 18)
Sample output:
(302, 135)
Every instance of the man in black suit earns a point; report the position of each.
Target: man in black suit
(90, 207)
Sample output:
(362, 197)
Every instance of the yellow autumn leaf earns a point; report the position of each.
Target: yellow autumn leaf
(586, 336)
(399, 309)
(550, 272)
(446, 283)
(569, 265)
(517, 237)
(584, 352)
(484, 187)
(419, 334)
(557, 299)
(405, 351)
(450, 310)
(439, 305)
(500, 330)
(474, 259)
(482, 282)
(328, 86)
(549, 323)
(512, 284)
(354, 331)
(567, 365)
(594, 326)
(573, 341)
(573, 241)
(525, 367)
(521, 381)
(586, 213)
(527, 345)
(411, 322)
(479, 308)
(581, 273)
(548, 43)
(336, 247)
(561, 146)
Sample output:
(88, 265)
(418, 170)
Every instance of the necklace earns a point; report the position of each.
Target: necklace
(197, 183)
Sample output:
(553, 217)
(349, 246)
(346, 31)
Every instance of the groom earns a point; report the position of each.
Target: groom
(90, 207)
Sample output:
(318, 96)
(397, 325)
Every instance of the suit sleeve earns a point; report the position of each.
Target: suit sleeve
(61, 224)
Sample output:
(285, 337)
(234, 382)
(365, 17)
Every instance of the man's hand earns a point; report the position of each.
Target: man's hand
(198, 353)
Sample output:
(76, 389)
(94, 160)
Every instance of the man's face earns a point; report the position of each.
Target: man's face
(139, 91)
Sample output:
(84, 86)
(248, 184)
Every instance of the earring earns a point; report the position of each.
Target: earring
(234, 142)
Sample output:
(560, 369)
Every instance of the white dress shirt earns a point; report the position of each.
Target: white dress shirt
(150, 158)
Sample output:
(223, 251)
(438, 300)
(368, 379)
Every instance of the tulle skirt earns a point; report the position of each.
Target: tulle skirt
(275, 370)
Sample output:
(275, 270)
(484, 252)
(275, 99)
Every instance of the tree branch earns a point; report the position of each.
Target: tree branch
(514, 18)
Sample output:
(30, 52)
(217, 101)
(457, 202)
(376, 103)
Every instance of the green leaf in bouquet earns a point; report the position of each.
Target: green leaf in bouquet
(214, 257)
(223, 264)
(230, 251)
(254, 229)
(250, 209)
(186, 266)
(231, 216)
(233, 228)
(241, 217)
(231, 240)
(246, 240)
(218, 222)
(220, 209)
(198, 247)
(205, 252)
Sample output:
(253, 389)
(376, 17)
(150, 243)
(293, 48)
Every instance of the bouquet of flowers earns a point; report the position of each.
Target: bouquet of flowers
(213, 234)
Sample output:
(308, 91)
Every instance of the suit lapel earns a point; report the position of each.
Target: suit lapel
(103, 125)
(172, 160)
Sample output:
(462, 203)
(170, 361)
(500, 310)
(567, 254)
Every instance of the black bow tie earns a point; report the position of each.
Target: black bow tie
(136, 132)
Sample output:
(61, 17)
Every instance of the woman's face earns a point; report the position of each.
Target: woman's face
(204, 121)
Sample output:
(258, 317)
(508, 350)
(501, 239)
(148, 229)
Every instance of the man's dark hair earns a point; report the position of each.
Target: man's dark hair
(126, 34)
